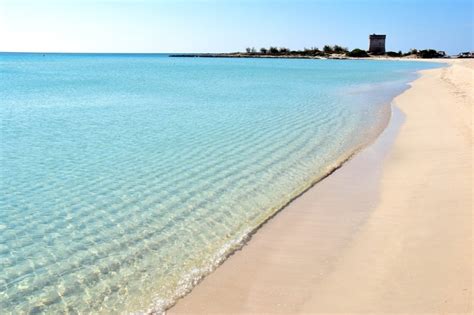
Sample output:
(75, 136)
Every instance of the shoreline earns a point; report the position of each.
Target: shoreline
(160, 306)
(296, 56)
(304, 244)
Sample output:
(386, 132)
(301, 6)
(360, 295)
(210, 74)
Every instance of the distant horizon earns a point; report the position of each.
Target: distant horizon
(210, 26)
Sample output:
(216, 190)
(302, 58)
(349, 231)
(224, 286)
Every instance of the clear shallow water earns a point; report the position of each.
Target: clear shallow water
(126, 178)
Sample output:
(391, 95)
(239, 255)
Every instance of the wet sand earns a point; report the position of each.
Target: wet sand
(389, 232)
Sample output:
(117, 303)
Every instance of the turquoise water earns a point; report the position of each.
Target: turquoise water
(126, 178)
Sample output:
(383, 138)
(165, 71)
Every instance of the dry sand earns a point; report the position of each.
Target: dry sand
(389, 232)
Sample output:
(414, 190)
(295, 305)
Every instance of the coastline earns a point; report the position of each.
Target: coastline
(371, 247)
(333, 56)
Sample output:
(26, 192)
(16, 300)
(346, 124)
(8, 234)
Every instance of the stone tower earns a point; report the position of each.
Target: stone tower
(377, 44)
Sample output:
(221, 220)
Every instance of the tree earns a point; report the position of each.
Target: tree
(263, 50)
(394, 54)
(429, 53)
(328, 49)
(357, 53)
(339, 50)
(273, 50)
(248, 50)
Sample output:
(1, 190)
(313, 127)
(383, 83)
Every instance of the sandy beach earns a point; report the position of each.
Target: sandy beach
(389, 232)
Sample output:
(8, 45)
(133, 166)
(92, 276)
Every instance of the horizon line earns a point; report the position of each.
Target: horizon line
(92, 52)
(128, 53)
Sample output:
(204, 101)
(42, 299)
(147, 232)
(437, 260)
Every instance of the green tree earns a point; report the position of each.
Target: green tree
(328, 49)
(357, 53)
(394, 54)
(273, 50)
(339, 50)
(429, 53)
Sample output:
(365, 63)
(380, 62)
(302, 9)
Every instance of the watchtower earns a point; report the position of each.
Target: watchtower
(377, 44)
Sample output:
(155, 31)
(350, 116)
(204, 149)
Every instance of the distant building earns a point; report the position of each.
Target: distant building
(377, 44)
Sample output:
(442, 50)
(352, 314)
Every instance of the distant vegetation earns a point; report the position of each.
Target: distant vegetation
(412, 51)
(329, 51)
(357, 53)
(394, 54)
(313, 51)
(273, 50)
(430, 53)
(336, 49)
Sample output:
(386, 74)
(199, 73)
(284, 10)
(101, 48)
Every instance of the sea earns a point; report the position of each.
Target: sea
(127, 178)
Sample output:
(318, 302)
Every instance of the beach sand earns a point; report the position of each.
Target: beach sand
(388, 232)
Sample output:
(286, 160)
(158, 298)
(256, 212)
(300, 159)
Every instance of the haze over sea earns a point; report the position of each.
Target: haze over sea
(126, 178)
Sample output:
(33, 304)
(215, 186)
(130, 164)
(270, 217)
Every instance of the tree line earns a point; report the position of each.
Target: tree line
(328, 50)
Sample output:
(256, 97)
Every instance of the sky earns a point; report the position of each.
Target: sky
(160, 26)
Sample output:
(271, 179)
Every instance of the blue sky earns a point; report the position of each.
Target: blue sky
(231, 25)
